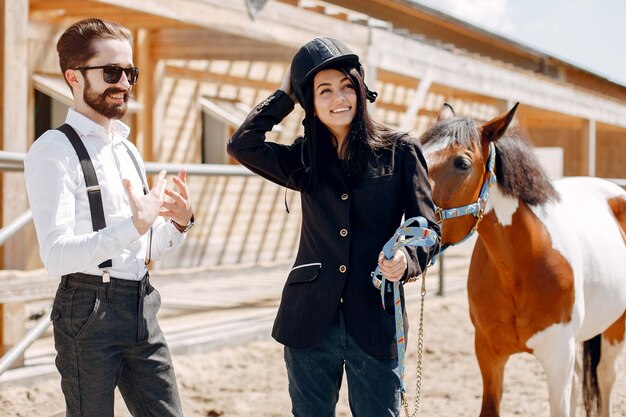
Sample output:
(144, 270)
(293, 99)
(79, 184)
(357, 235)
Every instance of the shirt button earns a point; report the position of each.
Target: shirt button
(343, 232)
(342, 269)
(344, 197)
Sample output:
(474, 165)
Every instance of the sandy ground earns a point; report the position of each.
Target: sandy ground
(251, 381)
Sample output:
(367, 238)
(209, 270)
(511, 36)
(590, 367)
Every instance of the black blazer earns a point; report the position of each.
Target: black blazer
(345, 224)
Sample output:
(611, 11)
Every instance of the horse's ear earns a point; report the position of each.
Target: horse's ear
(495, 128)
(446, 112)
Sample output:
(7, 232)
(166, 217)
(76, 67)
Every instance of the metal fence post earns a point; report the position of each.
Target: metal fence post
(16, 351)
(441, 291)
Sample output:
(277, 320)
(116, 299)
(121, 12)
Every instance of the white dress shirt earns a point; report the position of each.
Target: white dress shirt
(58, 200)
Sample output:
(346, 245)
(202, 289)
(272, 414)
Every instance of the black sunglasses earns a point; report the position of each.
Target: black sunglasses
(111, 74)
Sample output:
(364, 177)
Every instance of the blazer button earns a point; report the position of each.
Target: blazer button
(343, 232)
(344, 197)
(342, 269)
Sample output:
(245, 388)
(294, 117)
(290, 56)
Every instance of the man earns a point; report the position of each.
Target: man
(98, 230)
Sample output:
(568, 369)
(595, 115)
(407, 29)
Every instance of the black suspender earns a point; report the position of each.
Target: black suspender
(93, 187)
(91, 181)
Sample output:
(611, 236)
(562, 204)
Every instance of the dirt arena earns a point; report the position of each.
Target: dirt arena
(251, 381)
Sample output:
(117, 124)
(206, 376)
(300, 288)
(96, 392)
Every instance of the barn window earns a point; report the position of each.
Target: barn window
(220, 118)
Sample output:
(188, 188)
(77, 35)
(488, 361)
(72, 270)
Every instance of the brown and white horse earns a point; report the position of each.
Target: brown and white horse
(549, 266)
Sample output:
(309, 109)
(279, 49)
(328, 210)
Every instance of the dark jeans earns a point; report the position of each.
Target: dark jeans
(315, 375)
(107, 335)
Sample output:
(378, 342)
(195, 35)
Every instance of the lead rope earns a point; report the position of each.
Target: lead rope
(406, 236)
(420, 351)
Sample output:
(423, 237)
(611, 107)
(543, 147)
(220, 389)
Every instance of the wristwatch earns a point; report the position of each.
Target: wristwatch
(185, 229)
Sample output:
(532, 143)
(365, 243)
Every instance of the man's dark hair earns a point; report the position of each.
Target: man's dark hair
(75, 47)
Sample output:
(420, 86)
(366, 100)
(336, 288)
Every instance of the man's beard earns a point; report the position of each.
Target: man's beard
(98, 101)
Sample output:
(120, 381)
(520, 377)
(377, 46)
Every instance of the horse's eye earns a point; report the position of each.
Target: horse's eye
(463, 164)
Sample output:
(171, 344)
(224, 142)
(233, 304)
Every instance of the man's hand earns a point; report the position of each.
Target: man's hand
(145, 208)
(393, 269)
(179, 207)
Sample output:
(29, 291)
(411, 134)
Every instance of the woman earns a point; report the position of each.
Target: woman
(357, 179)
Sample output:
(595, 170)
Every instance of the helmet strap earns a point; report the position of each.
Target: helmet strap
(370, 95)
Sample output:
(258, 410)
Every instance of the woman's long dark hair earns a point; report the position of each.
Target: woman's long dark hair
(364, 138)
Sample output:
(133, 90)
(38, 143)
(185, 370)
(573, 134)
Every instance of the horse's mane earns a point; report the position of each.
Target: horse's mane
(457, 130)
(518, 171)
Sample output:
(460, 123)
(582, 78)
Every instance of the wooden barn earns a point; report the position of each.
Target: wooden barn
(205, 63)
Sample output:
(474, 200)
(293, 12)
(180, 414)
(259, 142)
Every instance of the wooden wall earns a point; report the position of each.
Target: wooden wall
(239, 219)
(610, 152)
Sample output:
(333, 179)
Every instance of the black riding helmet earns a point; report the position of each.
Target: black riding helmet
(319, 54)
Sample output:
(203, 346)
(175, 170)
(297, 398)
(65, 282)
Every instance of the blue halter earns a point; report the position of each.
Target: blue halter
(477, 209)
(404, 236)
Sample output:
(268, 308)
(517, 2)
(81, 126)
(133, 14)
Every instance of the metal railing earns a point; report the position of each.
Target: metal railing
(18, 350)
(15, 226)
(14, 162)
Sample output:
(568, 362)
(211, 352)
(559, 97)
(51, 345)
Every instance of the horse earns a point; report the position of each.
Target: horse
(548, 270)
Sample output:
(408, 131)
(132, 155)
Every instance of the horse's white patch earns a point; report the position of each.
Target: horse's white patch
(584, 231)
(607, 370)
(555, 348)
(504, 207)
(548, 343)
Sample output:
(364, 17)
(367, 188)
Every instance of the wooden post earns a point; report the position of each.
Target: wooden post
(419, 95)
(145, 94)
(14, 118)
(11, 328)
(586, 148)
(590, 135)
(14, 130)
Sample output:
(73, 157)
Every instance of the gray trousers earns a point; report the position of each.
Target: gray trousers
(107, 335)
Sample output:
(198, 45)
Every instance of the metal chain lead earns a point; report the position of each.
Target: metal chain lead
(420, 351)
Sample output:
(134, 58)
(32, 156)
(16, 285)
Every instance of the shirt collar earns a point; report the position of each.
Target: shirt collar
(84, 126)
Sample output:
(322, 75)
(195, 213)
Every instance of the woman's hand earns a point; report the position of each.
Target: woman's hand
(393, 269)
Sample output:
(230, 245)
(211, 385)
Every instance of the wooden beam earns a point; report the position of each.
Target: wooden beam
(227, 53)
(539, 118)
(277, 22)
(387, 76)
(210, 77)
(201, 43)
(145, 92)
(129, 20)
(62, 11)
